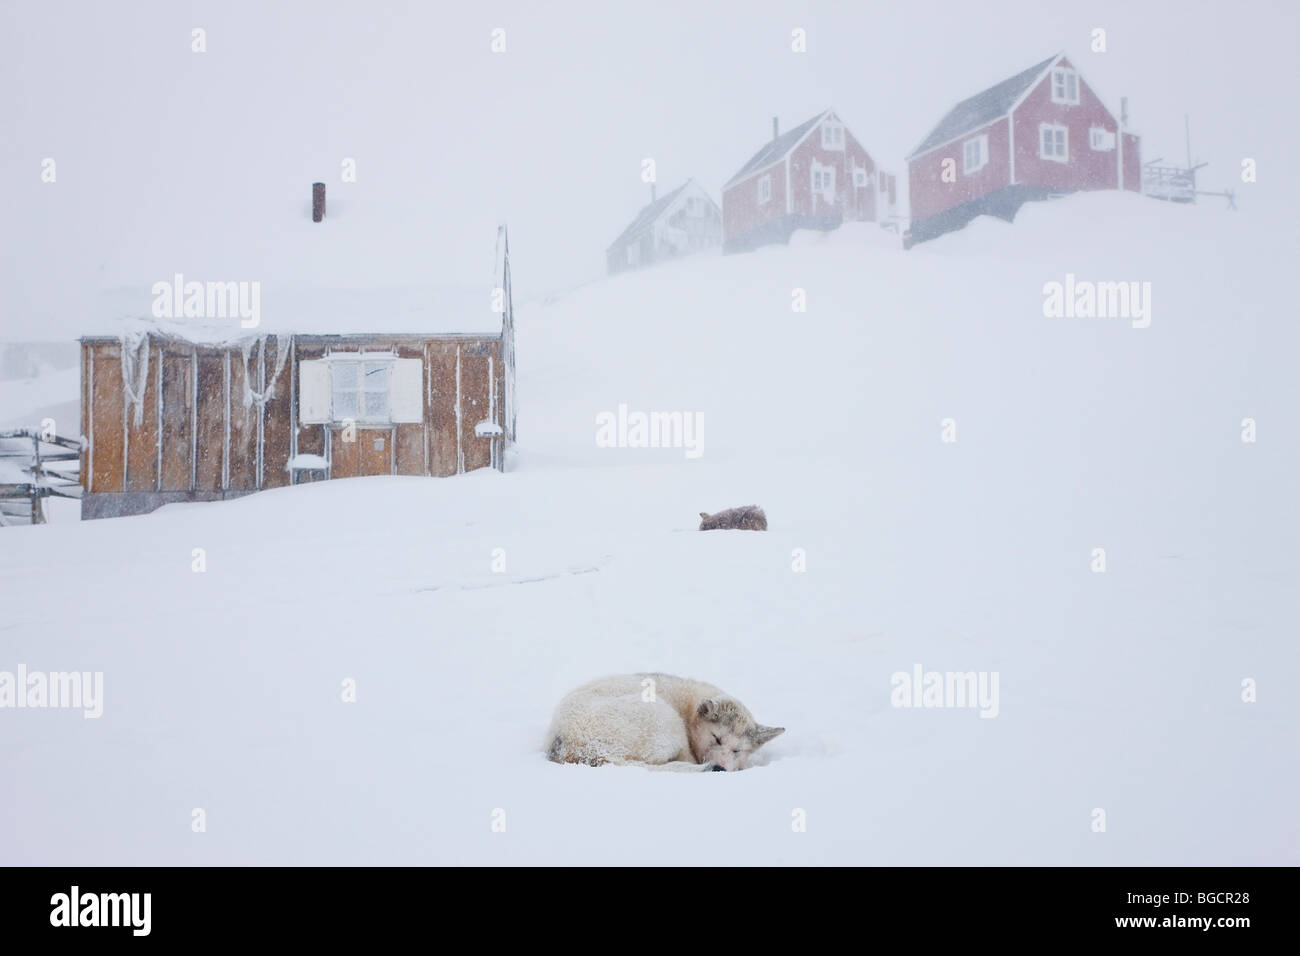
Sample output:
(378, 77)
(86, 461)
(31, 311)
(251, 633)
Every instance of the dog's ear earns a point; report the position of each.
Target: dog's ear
(720, 710)
(704, 515)
(762, 735)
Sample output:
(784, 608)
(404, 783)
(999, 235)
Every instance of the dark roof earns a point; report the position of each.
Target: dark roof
(648, 215)
(982, 108)
(775, 149)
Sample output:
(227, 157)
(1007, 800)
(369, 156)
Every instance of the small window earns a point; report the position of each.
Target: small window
(1054, 143)
(974, 154)
(1101, 139)
(832, 136)
(860, 178)
(1065, 86)
(765, 188)
(360, 390)
(376, 389)
(823, 181)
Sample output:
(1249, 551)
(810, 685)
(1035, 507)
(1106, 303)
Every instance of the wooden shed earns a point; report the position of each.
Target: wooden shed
(191, 411)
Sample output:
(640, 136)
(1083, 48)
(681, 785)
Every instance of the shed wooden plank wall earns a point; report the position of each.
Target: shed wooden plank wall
(440, 414)
(277, 423)
(142, 440)
(241, 472)
(210, 420)
(107, 415)
(177, 419)
(196, 434)
(474, 387)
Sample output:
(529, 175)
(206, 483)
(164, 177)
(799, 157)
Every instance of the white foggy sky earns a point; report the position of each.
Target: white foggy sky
(202, 163)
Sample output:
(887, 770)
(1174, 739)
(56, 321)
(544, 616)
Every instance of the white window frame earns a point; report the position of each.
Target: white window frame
(1102, 143)
(981, 151)
(765, 189)
(1068, 78)
(1063, 157)
(860, 178)
(383, 361)
(819, 171)
(832, 135)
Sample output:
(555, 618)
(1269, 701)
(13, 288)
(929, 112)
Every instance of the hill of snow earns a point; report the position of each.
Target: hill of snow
(1119, 691)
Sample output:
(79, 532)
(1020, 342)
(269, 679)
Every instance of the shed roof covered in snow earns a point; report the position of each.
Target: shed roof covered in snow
(316, 279)
(983, 108)
(365, 269)
(295, 307)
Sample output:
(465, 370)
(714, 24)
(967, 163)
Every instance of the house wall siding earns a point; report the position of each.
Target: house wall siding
(929, 194)
(742, 213)
(1087, 168)
(852, 203)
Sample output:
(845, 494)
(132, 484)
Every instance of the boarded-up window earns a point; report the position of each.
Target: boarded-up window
(314, 392)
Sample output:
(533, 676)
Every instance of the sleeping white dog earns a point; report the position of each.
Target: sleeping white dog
(656, 720)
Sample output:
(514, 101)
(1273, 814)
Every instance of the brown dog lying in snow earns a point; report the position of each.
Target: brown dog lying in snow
(746, 518)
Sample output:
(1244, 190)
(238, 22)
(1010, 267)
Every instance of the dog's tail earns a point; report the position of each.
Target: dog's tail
(560, 752)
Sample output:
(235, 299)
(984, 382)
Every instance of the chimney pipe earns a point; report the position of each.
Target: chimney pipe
(775, 129)
(1123, 112)
(317, 202)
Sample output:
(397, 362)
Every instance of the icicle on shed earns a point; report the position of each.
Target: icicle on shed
(201, 410)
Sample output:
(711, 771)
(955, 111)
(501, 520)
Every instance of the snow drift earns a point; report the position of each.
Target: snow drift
(941, 465)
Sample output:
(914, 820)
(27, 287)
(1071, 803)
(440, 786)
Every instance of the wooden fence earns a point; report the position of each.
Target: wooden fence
(35, 465)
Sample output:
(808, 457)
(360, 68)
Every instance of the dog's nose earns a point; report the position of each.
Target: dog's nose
(716, 768)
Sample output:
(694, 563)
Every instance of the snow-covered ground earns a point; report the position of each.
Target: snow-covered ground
(1119, 691)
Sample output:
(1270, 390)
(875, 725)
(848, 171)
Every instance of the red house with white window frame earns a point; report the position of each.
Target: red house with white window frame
(1041, 133)
(815, 176)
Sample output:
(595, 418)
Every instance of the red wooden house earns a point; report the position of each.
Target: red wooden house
(1041, 133)
(814, 176)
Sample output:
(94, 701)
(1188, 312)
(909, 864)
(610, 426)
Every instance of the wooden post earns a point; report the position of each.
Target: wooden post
(258, 460)
(37, 516)
(317, 202)
(88, 418)
(293, 405)
(194, 417)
